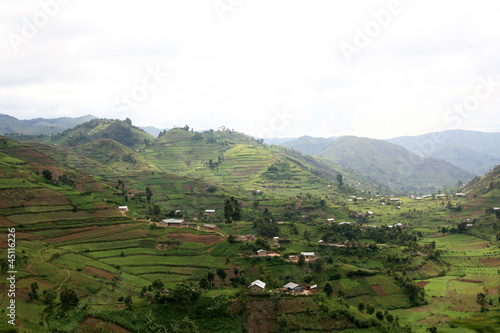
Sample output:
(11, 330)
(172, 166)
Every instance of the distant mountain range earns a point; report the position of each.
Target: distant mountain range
(385, 162)
(477, 152)
(415, 163)
(37, 126)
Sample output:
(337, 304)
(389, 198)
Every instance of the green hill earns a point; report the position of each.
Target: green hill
(121, 131)
(394, 165)
(485, 184)
(386, 163)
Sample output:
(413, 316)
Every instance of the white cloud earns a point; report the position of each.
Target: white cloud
(262, 56)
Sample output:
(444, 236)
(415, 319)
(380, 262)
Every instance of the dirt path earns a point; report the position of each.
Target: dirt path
(66, 279)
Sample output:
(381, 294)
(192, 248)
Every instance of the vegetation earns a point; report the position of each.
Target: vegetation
(379, 265)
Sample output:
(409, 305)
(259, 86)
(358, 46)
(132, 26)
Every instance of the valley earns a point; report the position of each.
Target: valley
(386, 251)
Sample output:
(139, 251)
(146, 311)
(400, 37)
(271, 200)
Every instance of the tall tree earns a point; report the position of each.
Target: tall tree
(221, 273)
(69, 299)
(232, 209)
(340, 179)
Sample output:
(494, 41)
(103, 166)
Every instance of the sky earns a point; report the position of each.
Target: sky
(282, 68)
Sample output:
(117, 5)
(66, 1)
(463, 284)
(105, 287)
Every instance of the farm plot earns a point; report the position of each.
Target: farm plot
(48, 217)
(148, 260)
(437, 287)
(102, 246)
(102, 234)
(121, 252)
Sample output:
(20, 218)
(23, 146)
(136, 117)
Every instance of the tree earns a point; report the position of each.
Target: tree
(47, 174)
(49, 296)
(370, 308)
(204, 284)
(158, 284)
(33, 294)
(328, 289)
(185, 293)
(481, 300)
(128, 121)
(221, 273)
(156, 210)
(149, 193)
(69, 299)
(301, 261)
(339, 179)
(380, 315)
(361, 306)
(210, 278)
(128, 302)
(232, 209)
(307, 235)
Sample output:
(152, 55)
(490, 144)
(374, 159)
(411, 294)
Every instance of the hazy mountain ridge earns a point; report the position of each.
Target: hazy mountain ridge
(387, 163)
(474, 151)
(39, 126)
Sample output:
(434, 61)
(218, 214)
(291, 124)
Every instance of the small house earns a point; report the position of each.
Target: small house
(262, 253)
(173, 223)
(123, 208)
(308, 255)
(193, 225)
(291, 257)
(293, 287)
(210, 227)
(276, 245)
(257, 285)
(210, 212)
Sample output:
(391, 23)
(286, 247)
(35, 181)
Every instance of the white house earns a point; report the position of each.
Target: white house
(257, 285)
(262, 253)
(123, 208)
(173, 223)
(308, 255)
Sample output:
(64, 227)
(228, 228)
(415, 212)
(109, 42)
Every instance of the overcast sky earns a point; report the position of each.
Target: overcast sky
(280, 68)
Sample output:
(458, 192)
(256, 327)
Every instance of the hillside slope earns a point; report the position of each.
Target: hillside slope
(394, 165)
(474, 151)
(121, 131)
